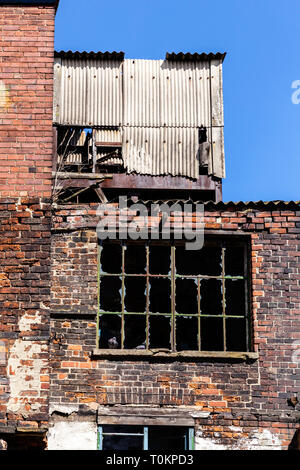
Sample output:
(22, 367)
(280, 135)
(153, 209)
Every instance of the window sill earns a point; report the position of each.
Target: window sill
(182, 354)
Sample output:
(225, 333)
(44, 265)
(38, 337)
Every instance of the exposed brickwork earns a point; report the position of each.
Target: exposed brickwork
(26, 141)
(257, 388)
(24, 311)
(26, 95)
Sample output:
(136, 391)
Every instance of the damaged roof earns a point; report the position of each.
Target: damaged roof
(157, 106)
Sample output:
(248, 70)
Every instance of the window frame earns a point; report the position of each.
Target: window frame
(189, 436)
(217, 240)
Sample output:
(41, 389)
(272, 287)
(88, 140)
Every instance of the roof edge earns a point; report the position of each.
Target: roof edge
(30, 2)
(90, 55)
(189, 57)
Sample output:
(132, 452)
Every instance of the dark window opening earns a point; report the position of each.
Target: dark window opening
(158, 296)
(79, 150)
(145, 438)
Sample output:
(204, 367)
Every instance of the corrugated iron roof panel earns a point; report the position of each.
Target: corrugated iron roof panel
(84, 55)
(190, 57)
(161, 151)
(88, 92)
(142, 92)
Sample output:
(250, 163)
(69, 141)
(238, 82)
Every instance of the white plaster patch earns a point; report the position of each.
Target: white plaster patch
(65, 409)
(26, 321)
(257, 440)
(25, 377)
(72, 436)
(261, 440)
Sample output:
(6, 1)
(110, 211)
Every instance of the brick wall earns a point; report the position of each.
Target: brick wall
(254, 392)
(26, 94)
(24, 313)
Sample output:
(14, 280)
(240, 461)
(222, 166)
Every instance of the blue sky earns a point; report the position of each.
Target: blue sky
(262, 41)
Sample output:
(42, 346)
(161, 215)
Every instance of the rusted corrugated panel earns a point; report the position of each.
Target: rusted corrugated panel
(161, 151)
(90, 92)
(185, 94)
(142, 92)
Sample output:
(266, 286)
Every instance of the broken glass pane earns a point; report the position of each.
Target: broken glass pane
(160, 295)
(211, 297)
(135, 259)
(235, 297)
(110, 294)
(168, 438)
(234, 261)
(212, 334)
(135, 332)
(123, 442)
(160, 332)
(186, 296)
(111, 258)
(186, 334)
(236, 338)
(110, 331)
(135, 294)
(159, 259)
(207, 261)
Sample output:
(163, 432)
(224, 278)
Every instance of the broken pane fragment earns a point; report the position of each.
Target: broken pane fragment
(207, 261)
(212, 334)
(234, 261)
(135, 259)
(186, 334)
(159, 259)
(111, 258)
(167, 438)
(236, 338)
(110, 332)
(135, 294)
(186, 296)
(235, 297)
(160, 332)
(110, 294)
(211, 297)
(135, 332)
(160, 295)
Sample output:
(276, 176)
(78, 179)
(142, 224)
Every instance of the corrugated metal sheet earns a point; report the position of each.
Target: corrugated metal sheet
(270, 205)
(142, 92)
(185, 94)
(187, 56)
(161, 151)
(159, 106)
(88, 92)
(90, 55)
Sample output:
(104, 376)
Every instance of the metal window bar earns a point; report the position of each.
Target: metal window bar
(189, 437)
(173, 276)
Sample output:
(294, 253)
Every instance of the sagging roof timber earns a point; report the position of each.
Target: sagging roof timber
(158, 106)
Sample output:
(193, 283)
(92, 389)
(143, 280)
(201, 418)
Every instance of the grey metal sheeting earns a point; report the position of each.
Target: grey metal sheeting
(157, 105)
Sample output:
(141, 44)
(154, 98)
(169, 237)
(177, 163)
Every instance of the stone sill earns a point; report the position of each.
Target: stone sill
(122, 353)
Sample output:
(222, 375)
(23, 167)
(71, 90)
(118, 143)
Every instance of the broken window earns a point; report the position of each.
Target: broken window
(155, 296)
(111, 437)
(89, 150)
